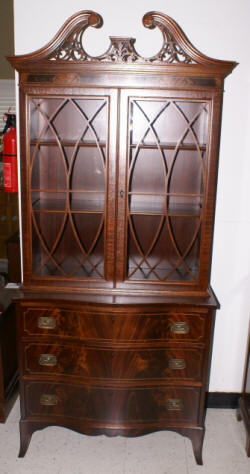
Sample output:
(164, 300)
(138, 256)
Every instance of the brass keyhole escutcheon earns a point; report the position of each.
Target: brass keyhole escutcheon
(177, 364)
(180, 327)
(48, 399)
(174, 404)
(46, 322)
(48, 360)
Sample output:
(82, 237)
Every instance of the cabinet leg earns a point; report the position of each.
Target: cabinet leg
(25, 437)
(197, 442)
(238, 415)
(248, 446)
(242, 413)
(196, 436)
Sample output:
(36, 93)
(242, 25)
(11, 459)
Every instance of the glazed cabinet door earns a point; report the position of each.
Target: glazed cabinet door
(70, 180)
(164, 204)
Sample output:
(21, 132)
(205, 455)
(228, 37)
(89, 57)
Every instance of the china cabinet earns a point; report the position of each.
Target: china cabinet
(119, 157)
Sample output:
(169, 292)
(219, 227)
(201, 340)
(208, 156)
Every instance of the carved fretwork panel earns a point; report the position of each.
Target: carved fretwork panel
(172, 53)
(121, 50)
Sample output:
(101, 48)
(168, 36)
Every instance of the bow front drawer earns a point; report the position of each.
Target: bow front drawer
(120, 407)
(113, 325)
(114, 364)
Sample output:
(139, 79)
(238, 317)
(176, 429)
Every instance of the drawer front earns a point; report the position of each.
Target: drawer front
(114, 326)
(122, 364)
(119, 406)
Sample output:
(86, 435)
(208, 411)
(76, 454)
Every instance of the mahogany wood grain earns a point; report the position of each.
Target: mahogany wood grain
(109, 364)
(116, 406)
(115, 326)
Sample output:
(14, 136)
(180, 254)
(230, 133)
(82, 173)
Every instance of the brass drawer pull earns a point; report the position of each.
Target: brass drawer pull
(46, 322)
(49, 360)
(180, 327)
(174, 404)
(177, 364)
(48, 399)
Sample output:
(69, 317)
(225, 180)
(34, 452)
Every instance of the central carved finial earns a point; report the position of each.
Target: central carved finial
(121, 50)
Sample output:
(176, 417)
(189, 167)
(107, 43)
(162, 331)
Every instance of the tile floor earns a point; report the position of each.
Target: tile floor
(60, 451)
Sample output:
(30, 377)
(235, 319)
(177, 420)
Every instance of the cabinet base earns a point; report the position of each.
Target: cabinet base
(243, 414)
(27, 428)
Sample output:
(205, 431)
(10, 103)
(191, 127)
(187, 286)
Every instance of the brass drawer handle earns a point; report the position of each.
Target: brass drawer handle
(174, 404)
(180, 327)
(48, 399)
(49, 360)
(177, 364)
(46, 322)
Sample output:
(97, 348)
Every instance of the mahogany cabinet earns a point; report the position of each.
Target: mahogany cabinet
(119, 158)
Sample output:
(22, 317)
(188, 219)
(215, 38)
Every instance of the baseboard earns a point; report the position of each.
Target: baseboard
(222, 400)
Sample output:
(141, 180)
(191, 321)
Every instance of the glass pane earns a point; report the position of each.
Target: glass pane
(166, 176)
(68, 185)
(168, 121)
(44, 201)
(161, 249)
(68, 119)
(48, 168)
(63, 247)
(88, 169)
(147, 171)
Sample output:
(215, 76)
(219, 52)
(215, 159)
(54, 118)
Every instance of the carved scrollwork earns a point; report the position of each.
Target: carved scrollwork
(71, 50)
(172, 53)
(67, 46)
(172, 50)
(121, 49)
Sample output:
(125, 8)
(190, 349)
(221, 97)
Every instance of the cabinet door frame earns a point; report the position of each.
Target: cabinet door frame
(214, 100)
(29, 279)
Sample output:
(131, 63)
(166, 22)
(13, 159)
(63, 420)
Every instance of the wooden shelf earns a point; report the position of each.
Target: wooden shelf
(145, 146)
(67, 143)
(174, 210)
(96, 205)
(170, 146)
(77, 206)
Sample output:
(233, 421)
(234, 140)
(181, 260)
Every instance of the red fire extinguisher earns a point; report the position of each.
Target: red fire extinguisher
(10, 175)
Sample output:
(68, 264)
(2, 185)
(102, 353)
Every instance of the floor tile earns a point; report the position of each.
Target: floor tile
(161, 453)
(60, 451)
(223, 451)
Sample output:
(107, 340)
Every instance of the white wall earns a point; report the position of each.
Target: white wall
(218, 28)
